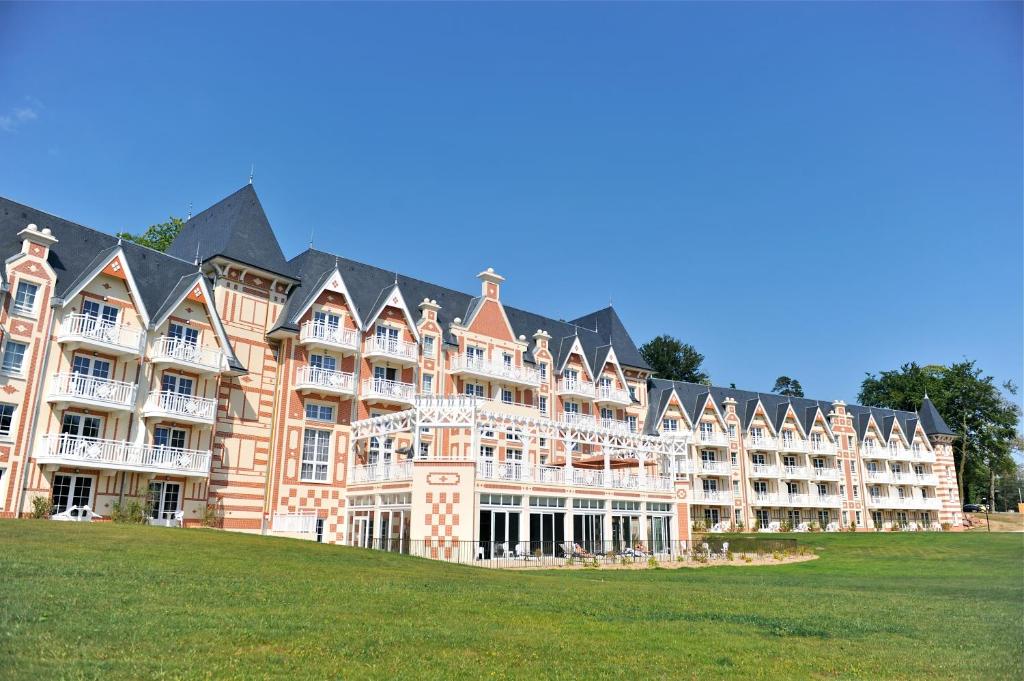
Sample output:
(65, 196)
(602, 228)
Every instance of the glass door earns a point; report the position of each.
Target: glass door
(71, 491)
(164, 497)
(625, 532)
(499, 533)
(658, 535)
(547, 533)
(588, 531)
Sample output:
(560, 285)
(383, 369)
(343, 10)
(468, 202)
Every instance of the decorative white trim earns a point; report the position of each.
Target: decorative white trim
(211, 311)
(335, 282)
(140, 305)
(394, 299)
(577, 347)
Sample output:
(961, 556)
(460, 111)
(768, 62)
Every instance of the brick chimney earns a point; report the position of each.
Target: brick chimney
(490, 284)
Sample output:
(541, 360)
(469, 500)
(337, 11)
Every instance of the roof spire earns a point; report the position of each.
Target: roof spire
(396, 278)
(189, 212)
(311, 238)
(252, 172)
(196, 261)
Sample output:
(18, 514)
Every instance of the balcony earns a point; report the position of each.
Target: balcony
(74, 450)
(315, 379)
(393, 392)
(180, 407)
(924, 479)
(714, 438)
(825, 500)
(764, 470)
(329, 336)
(763, 443)
(382, 347)
(575, 477)
(919, 503)
(380, 472)
(713, 468)
(795, 472)
(822, 447)
(88, 331)
(571, 418)
(179, 352)
(791, 444)
(609, 394)
(616, 425)
(93, 392)
(491, 370)
(576, 388)
(780, 499)
(717, 497)
(826, 473)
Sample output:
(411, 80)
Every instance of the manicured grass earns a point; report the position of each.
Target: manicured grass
(110, 602)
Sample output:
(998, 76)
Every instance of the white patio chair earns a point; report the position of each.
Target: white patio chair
(803, 527)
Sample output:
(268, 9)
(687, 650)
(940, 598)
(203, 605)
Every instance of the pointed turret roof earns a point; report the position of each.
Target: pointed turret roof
(608, 326)
(236, 228)
(931, 420)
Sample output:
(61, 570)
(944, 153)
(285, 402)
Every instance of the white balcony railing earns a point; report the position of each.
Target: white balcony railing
(925, 479)
(922, 503)
(616, 425)
(491, 369)
(172, 404)
(763, 443)
(764, 470)
(329, 334)
(178, 350)
(826, 473)
(819, 500)
(609, 393)
(514, 471)
(718, 496)
(714, 438)
(75, 387)
(294, 523)
(791, 444)
(780, 499)
(379, 388)
(713, 468)
(577, 388)
(75, 450)
(822, 447)
(381, 472)
(798, 472)
(83, 327)
(391, 347)
(878, 476)
(317, 378)
(575, 418)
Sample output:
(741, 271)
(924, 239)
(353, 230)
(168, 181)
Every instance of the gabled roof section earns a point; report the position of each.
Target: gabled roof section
(197, 288)
(607, 324)
(303, 299)
(79, 249)
(931, 420)
(392, 297)
(569, 346)
(660, 393)
(106, 258)
(606, 355)
(237, 228)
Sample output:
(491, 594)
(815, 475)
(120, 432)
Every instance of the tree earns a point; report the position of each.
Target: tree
(675, 360)
(159, 236)
(784, 385)
(972, 405)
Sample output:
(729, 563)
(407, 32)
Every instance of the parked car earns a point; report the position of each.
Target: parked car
(974, 508)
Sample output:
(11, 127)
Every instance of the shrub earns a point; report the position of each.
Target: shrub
(700, 558)
(729, 556)
(652, 562)
(757, 525)
(739, 526)
(135, 510)
(748, 559)
(42, 507)
(814, 526)
(946, 527)
(776, 555)
(785, 526)
(211, 517)
(853, 526)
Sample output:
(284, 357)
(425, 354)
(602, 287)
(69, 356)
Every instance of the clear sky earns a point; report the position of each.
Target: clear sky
(811, 189)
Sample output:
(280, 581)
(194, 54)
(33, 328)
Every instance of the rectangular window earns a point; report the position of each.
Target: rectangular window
(319, 412)
(315, 455)
(506, 396)
(760, 487)
(733, 459)
(183, 333)
(631, 420)
(671, 425)
(632, 393)
(543, 405)
(428, 346)
(6, 418)
(706, 427)
(543, 372)
(474, 390)
(166, 438)
(324, 362)
(736, 487)
(757, 459)
(326, 319)
(732, 431)
(428, 383)
(14, 357)
(25, 298)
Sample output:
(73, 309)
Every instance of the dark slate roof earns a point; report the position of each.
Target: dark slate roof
(931, 420)
(776, 406)
(80, 249)
(608, 326)
(235, 227)
(368, 284)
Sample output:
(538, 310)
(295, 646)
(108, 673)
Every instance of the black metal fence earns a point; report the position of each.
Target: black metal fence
(547, 554)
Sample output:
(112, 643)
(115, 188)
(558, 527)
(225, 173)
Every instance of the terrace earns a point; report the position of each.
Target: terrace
(84, 452)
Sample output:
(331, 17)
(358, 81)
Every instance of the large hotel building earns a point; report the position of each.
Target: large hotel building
(325, 398)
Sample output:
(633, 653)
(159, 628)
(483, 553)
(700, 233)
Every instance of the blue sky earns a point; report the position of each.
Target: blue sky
(811, 189)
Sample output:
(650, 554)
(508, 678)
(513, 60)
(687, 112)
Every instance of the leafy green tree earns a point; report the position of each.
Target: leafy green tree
(784, 385)
(159, 236)
(675, 360)
(972, 405)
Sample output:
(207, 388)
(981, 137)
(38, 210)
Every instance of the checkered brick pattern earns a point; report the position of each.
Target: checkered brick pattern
(441, 517)
(326, 502)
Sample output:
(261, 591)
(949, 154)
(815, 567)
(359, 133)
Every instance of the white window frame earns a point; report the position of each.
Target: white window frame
(320, 469)
(20, 369)
(19, 308)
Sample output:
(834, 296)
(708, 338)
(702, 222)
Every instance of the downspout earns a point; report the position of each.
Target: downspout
(20, 496)
(281, 359)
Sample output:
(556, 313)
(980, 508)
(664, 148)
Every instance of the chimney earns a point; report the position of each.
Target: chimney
(730, 405)
(36, 242)
(428, 310)
(490, 284)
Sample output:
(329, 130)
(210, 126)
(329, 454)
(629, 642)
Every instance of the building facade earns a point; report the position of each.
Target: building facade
(324, 398)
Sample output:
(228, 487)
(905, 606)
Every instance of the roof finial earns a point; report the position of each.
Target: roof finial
(252, 172)
(189, 212)
(396, 278)
(335, 262)
(196, 261)
(311, 238)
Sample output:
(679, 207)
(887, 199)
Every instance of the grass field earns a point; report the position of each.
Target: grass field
(111, 602)
(1001, 522)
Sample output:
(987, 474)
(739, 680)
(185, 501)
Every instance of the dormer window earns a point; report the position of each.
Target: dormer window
(787, 437)
(707, 428)
(571, 376)
(326, 319)
(105, 314)
(183, 333)
(474, 354)
(605, 383)
(25, 298)
(671, 425)
(756, 433)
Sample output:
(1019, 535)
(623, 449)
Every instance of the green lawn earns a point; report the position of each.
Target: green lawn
(109, 602)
